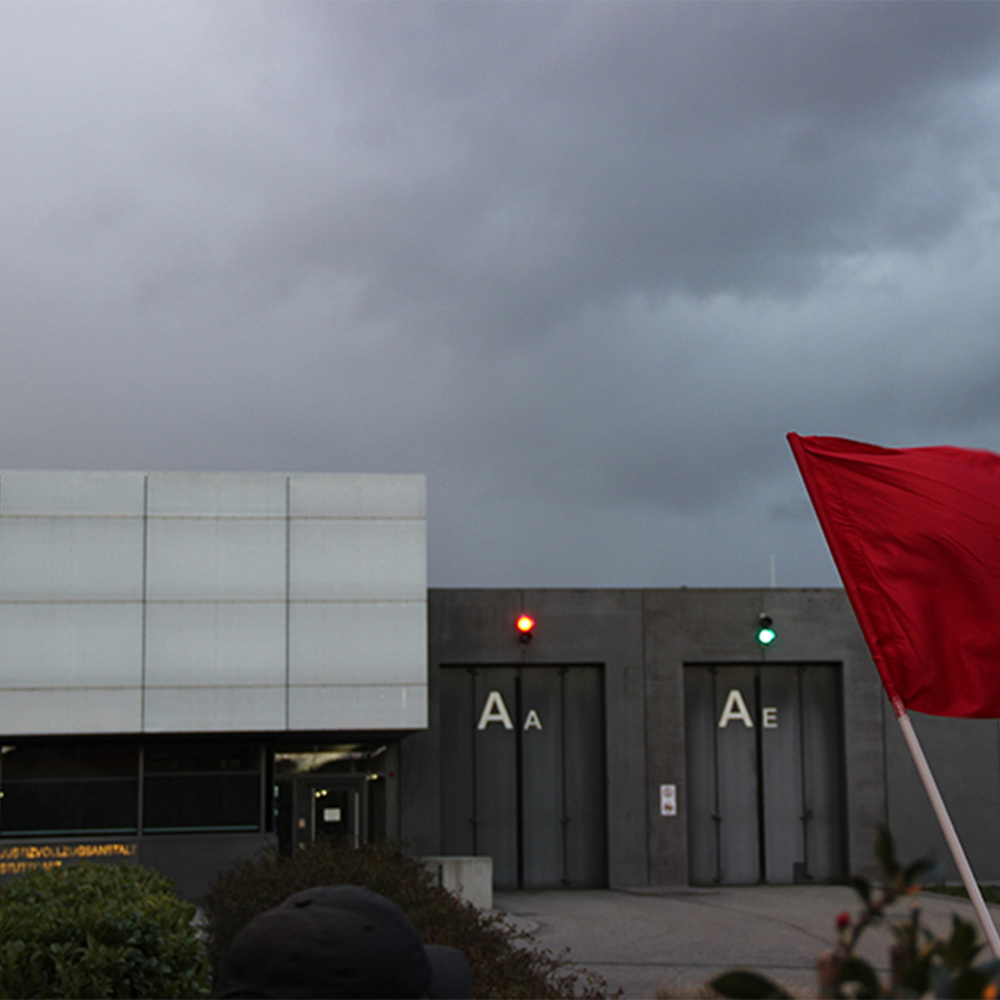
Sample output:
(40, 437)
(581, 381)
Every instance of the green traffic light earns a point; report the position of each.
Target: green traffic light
(765, 631)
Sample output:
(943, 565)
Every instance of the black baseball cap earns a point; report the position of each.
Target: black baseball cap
(339, 941)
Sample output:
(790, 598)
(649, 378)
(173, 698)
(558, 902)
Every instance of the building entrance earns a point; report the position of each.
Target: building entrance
(765, 774)
(523, 772)
(330, 808)
(333, 793)
(336, 813)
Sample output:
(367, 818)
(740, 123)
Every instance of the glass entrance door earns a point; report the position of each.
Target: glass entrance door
(335, 814)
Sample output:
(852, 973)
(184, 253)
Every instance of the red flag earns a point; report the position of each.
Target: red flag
(915, 534)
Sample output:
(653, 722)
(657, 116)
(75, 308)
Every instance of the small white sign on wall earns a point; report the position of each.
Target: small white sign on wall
(668, 800)
(331, 815)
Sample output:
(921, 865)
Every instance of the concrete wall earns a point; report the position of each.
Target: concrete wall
(964, 755)
(643, 639)
(690, 626)
(211, 602)
(194, 861)
(574, 626)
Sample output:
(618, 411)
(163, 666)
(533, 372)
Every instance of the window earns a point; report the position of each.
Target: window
(206, 786)
(71, 789)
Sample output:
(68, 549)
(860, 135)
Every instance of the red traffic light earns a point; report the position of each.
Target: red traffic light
(525, 624)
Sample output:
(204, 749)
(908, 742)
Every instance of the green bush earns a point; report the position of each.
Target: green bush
(503, 962)
(98, 931)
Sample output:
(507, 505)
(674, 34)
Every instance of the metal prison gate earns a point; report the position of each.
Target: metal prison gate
(765, 773)
(523, 772)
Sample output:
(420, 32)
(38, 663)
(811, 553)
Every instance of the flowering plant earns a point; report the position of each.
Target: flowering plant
(921, 964)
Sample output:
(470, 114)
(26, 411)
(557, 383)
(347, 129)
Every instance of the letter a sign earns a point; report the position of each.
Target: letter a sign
(532, 721)
(735, 708)
(495, 711)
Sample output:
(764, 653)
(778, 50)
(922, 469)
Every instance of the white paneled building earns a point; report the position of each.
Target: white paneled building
(174, 647)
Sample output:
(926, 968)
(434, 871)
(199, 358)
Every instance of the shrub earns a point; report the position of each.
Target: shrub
(98, 931)
(503, 962)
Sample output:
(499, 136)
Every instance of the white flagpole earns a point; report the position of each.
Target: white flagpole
(950, 834)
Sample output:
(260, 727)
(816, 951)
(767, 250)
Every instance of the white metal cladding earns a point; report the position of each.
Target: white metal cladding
(211, 602)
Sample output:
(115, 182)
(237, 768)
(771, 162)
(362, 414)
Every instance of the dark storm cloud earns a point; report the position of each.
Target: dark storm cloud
(583, 152)
(584, 264)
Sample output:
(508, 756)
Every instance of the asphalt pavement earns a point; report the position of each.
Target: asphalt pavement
(669, 943)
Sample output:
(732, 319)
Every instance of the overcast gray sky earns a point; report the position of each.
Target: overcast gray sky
(583, 264)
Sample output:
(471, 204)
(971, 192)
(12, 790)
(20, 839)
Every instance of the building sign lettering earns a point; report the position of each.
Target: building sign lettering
(21, 858)
(495, 710)
(531, 720)
(735, 709)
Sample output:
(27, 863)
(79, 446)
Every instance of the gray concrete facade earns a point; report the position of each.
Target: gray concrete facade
(690, 626)
(964, 755)
(643, 639)
(574, 627)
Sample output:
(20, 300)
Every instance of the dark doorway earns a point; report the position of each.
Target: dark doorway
(323, 807)
(765, 773)
(335, 814)
(333, 792)
(523, 772)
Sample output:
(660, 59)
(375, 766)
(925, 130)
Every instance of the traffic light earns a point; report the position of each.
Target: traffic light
(765, 630)
(525, 625)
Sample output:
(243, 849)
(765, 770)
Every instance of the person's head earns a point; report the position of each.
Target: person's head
(338, 941)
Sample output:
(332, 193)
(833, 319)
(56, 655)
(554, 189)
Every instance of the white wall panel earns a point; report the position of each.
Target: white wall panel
(70, 710)
(363, 707)
(319, 495)
(77, 493)
(217, 494)
(215, 644)
(70, 645)
(214, 709)
(358, 643)
(357, 560)
(203, 589)
(215, 559)
(71, 559)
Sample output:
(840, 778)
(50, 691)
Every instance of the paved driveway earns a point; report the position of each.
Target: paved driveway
(650, 942)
